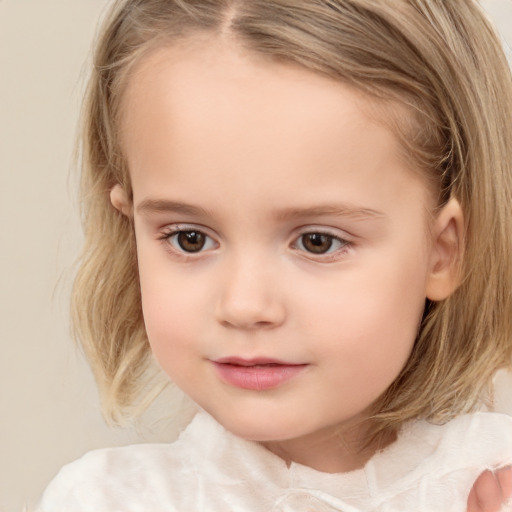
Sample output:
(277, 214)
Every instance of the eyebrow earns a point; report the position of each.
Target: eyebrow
(164, 206)
(342, 210)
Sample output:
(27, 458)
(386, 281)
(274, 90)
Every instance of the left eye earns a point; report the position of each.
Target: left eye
(319, 243)
(190, 241)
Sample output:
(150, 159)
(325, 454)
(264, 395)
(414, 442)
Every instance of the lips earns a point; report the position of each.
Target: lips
(256, 374)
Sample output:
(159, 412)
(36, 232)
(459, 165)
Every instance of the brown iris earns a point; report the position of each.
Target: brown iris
(191, 241)
(317, 243)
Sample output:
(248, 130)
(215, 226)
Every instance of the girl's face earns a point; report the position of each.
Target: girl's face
(282, 244)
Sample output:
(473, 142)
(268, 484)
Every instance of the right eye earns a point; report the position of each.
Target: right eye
(190, 241)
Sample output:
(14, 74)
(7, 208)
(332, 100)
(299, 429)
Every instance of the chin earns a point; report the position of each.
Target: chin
(256, 426)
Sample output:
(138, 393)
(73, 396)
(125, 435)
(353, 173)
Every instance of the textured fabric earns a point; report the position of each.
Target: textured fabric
(429, 468)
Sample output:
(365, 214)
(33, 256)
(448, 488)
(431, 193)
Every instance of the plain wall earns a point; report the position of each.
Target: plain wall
(48, 402)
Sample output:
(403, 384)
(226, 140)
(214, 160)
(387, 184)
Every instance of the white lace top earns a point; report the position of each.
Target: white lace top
(429, 468)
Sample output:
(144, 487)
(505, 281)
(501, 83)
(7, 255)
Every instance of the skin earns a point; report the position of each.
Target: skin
(491, 491)
(260, 158)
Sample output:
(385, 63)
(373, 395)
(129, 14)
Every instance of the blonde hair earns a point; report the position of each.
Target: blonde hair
(441, 60)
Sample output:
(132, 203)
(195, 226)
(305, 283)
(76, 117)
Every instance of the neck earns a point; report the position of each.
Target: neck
(335, 450)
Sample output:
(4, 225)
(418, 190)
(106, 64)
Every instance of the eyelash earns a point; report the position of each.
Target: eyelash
(341, 245)
(171, 234)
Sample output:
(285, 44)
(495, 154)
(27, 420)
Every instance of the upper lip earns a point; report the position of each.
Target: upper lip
(240, 361)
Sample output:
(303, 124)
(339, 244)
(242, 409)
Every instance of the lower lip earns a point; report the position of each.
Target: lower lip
(258, 377)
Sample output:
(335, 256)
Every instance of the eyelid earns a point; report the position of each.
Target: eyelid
(326, 230)
(182, 226)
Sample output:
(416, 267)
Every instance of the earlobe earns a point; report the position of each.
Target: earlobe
(119, 200)
(447, 251)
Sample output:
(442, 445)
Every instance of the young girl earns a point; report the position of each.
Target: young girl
(302, 209)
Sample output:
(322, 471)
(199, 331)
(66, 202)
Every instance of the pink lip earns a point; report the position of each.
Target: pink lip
(257, 374)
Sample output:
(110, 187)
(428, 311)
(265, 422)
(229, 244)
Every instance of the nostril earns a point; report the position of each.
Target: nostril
(247, 324)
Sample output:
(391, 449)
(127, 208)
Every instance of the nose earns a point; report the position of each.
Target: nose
(251, 297)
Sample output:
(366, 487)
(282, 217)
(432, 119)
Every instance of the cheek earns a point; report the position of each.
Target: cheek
(394, 314)
(370, 318)
(171, 305)
(170, 318)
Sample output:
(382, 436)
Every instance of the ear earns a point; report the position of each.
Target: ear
(120, 200)
(447, 251)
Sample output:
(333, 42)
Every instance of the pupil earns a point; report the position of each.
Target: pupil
(317, 243)
(191, 241)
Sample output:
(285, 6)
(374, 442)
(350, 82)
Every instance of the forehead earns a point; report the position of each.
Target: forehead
(201, 78)
(200, 108)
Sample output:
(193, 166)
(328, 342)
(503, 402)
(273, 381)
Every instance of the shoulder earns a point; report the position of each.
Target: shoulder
(483, 437)
(141, 476)
(482, 440)
(436, 465)
(109, 479)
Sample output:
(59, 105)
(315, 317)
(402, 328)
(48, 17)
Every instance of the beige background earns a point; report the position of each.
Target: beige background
(48, 403)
